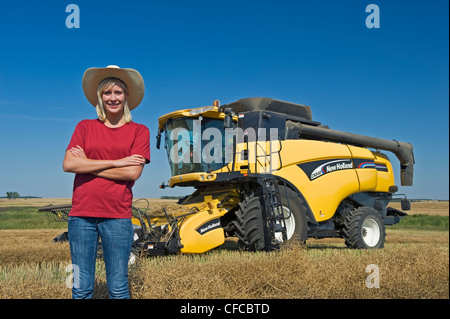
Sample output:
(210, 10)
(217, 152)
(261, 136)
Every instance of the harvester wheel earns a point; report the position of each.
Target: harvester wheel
(294, 210)
(251, 228)
(364, 229)
(249, 224)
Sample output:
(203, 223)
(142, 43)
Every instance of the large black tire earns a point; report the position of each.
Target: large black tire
(364, 228)
(251, 228)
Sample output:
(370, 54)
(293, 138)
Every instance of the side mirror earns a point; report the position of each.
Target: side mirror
(158, 140)
(406, 204)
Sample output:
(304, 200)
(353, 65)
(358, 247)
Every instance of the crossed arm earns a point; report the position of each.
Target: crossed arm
(124, 169)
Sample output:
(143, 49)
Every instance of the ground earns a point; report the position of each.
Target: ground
(413, 264)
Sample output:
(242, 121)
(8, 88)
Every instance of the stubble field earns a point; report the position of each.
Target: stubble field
(413, 264)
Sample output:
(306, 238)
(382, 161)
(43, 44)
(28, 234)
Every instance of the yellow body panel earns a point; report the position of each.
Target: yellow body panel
(323, 194)
(322, 201)
(368, 178)
(385, 178)
(200, 177)
(201, 232)
(213, 113)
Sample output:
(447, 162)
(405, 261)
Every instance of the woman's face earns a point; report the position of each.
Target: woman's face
(113, 99)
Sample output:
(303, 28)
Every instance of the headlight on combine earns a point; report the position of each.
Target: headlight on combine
(200, 110)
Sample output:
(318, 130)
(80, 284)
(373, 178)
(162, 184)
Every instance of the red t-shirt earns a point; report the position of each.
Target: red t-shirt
(99, 197)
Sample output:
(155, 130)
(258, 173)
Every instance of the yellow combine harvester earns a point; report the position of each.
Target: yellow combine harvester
(265, 172)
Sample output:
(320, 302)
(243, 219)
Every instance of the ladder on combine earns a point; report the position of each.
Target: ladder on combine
(274, 209)
(262, 165)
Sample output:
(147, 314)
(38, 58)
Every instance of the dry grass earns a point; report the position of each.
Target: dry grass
(296, 272)
(35, 268)
(426, 208)
(413, 264)
(35, 202)
(406, 271)
(31, 246)
(154, 207)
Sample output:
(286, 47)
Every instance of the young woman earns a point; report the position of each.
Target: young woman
(107, 156)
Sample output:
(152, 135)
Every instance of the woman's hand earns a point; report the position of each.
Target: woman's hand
(133, 160)
(78, 152)
(125, 169)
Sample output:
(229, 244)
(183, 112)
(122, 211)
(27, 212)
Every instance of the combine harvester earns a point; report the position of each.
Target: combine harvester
(265, 172)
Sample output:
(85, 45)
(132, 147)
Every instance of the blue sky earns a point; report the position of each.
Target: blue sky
(390, 82)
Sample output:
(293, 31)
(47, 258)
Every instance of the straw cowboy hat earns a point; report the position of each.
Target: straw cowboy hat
(132, 79)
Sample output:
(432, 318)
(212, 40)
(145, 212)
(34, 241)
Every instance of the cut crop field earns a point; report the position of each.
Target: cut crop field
(413, 264)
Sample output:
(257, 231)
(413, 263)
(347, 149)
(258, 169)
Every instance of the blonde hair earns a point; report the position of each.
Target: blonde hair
(105, 84)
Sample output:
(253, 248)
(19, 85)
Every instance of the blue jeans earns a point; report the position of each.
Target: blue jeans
(116, 237)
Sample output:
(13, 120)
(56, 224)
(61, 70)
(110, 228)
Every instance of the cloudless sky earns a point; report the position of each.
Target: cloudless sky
(390, 82)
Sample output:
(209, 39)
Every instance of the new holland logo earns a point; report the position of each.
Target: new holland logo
(318, 168)
(208, 226)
